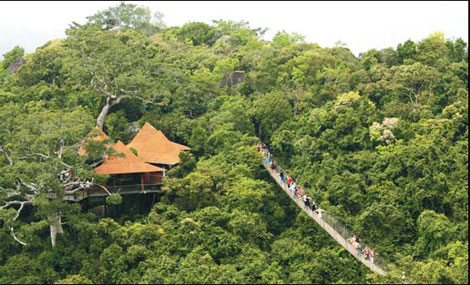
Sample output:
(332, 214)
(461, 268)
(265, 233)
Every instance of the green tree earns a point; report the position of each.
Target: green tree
(127, 16)
(269, 111)
(114, 64)
(283, 39)
(11, 56)
(112, 265)
(47, 149)
(197, 33)
(406, 52)
(434, 231)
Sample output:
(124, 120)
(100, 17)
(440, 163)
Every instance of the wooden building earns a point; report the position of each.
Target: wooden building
(155, 148)
(126, 169)
(130, 173)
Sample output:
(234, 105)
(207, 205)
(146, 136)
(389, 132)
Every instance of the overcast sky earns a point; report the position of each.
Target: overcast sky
(360, 25)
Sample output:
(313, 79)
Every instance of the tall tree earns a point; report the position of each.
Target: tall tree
(113, 64)
(127, 16)
(39, 147)
(11, 55)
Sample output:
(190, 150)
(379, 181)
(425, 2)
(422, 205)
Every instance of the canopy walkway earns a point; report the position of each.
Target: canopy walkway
(329, 224)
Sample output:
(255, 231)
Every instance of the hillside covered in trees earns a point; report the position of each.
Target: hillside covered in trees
(380, 140)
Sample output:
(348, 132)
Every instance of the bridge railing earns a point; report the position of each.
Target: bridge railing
(346, 234)
(342, 230)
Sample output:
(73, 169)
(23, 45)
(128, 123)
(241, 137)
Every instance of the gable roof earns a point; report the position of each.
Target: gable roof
(96, 134)
(123, 165)
(154, 147)
(180, 146)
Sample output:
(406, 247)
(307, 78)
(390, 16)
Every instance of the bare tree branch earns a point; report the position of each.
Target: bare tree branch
(18, 212)
(104, 188)
(31, 186)
(96, 163)
(12, 233)
(66, 165)
(10, 161)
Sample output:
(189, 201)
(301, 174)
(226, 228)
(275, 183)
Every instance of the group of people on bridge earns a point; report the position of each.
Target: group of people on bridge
(367, 251)
(295, 189)
(297, 192)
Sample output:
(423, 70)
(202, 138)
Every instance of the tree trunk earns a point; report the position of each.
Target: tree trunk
(105, 110)
(56, 228)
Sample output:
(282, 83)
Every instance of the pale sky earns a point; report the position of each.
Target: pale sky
(360, 25)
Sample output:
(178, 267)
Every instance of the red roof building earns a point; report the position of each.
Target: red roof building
(127, 164)
(154, 147)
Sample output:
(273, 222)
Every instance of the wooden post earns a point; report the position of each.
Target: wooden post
(142, 181)
(153, 201)
(104, 204)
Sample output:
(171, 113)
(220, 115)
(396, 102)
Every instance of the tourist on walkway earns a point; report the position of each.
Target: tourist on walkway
(292, 188)
(289, 181)
(359, 248)
(299, 192)
(307, 204)
(352, 239)
(305, 198)
(371, 256)
(281, 174)
(314, 206)
(366, 251)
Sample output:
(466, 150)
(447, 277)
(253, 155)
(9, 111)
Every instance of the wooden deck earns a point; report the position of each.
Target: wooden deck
(97, 191)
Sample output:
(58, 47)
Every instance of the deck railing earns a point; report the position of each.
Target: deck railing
(96, 191)
(123, 189)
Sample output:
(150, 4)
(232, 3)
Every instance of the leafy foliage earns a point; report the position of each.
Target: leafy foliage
(379, 140)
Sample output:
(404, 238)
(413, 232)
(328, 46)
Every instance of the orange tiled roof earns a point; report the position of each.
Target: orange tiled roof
(154, 147)
(96, 135)
(123, 165)
(180, 146)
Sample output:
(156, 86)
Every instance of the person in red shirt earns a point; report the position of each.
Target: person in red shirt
(289, 181)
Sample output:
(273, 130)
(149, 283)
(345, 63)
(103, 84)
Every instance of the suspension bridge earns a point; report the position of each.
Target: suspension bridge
(335, 229)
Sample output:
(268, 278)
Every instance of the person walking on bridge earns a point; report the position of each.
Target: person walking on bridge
(314, 206)
(371, 257)
(292, 188)
(289, 181)
(305, 198)
(273, 165)
(281, 174)
(366, 251)
(318, 212)
(359, 248)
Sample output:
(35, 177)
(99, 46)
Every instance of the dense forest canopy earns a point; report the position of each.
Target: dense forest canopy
(380, 140)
